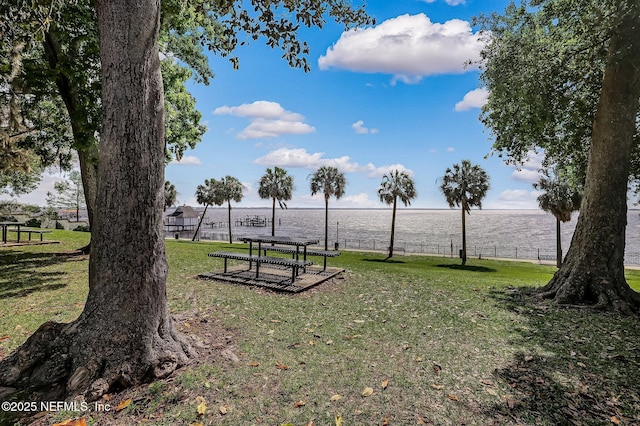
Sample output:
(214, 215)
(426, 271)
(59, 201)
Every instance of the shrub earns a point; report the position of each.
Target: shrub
(82, 228)
(34, 223)
(59, 225)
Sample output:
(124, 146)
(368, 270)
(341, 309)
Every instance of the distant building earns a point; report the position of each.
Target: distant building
(183, 218)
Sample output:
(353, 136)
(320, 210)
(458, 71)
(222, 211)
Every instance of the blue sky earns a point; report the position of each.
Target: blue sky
(395, 95)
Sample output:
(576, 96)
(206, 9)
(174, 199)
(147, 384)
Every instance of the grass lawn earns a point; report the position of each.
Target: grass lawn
(417, 340)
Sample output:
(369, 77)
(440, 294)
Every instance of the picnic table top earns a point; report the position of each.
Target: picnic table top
(13, 223)
(295, 241)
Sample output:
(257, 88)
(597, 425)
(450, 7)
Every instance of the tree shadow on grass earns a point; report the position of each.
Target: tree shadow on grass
(575, 366)
(473, 268)
(386, 260)
(23, 274)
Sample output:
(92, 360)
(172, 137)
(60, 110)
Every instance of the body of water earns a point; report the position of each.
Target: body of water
(525, 234)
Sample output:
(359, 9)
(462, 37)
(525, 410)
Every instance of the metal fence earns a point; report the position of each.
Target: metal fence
(443, 249)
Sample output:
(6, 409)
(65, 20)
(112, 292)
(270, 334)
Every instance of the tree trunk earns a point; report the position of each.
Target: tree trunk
(124, 335)
(593, 270)
(273, 217)
(83, 132)
(200, 222)
(558, 244)
(464, 234)
(229, 210)
(393, 227)
(326, 223)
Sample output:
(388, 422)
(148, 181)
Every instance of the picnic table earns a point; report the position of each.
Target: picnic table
(295, 263)
(5, 229)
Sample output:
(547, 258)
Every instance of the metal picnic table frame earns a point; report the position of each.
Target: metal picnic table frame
(288, 241)
(5, 229)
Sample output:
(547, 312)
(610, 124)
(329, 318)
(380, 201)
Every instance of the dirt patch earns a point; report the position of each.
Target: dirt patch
(214, 345)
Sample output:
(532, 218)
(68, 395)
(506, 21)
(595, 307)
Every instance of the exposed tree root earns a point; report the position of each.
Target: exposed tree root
(61, 361)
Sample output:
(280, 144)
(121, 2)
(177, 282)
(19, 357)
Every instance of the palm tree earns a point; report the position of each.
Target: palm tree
(561, 199)
(330, 181)
(170, 194)
(396, 185)
(227, 189)
(205, 194)
(465, 186)
(278, 186)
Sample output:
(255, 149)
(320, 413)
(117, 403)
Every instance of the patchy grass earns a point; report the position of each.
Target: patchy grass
(436, 342)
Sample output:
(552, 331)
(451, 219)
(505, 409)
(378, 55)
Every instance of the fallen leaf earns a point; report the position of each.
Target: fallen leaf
(615, 420)
(452, 397)
(187, 325)
(312, 342)
(254, 364)
(311, 423)
(281, 366)
(300, 403)
(487, 382)
(385, 383)
(338, 420)
(437, 387)
(196, 424)
(72, 422)
(492, 391)
(3, 338)
(336, 397)
(124, 404)
(223, 410)
(419, 359)
(510, 402)
(528, 358)
(202, 408)
(386, 420)
(436, 368)
(367, 392)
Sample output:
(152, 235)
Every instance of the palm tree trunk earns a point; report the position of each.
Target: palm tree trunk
(464, 234)
(200, 222)
(273, 217)
(230, 239)
(558, 244)
(393, 227)
(326, 223)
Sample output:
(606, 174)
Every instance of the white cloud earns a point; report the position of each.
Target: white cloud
(451, 149)
(474, 99)
(187, 160)
(360, 129)
(408, 46)
(529, 172)
(449, 2)
(515, 199)
(357, 201)
(268, 120)
(300, 158)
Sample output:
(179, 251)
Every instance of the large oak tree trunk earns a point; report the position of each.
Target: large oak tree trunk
(593, 270)
(124, 335)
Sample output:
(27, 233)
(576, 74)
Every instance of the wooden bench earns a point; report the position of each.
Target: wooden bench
(31, 231)
(292, 251)
(294, 264)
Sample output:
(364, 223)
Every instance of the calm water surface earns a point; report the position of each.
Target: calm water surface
(504, 233)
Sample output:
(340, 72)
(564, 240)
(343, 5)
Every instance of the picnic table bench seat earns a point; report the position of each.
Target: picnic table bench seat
(291, 263)
(292, 251)
(30, 231)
